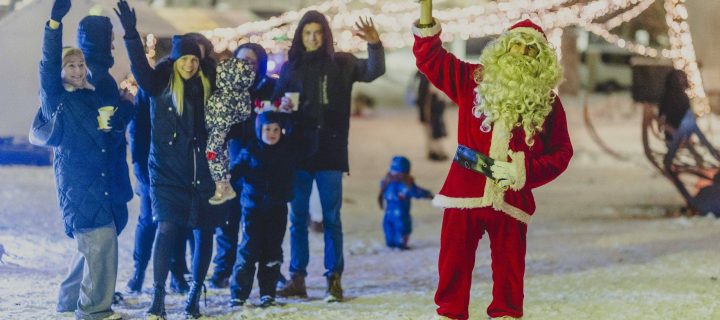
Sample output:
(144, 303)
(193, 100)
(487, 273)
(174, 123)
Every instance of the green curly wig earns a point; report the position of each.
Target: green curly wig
(516, 86)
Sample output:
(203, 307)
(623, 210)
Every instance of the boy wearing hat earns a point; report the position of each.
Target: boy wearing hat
(265, 166)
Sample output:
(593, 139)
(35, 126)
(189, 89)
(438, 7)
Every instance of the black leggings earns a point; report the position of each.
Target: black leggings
(167, 237)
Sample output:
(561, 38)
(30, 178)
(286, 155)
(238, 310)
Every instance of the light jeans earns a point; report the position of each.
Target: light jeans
(89, 286)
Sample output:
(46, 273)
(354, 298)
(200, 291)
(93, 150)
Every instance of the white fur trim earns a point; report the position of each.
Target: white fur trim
(470, 203)
(532, 31)
(518, 160)
(426, 32)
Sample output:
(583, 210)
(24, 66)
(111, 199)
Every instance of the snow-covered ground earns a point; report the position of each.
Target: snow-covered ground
(602, 244)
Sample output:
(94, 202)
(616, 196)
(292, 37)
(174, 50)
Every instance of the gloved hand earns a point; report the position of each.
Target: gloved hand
(116, 123)
(60, 8)
(381, 201)
(127, 18)
(505, 173)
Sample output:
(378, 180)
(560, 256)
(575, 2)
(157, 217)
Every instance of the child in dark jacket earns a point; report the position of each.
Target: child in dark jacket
(396, 190)
(266, 168)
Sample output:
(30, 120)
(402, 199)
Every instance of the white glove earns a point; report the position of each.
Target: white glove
(510, 174)
(505, 173)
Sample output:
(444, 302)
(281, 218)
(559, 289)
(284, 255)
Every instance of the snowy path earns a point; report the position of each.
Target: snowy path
(600, 246)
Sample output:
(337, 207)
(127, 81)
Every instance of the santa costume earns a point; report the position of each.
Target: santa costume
(473, 202)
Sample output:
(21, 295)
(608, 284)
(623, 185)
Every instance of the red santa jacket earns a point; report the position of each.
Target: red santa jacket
(543, 162)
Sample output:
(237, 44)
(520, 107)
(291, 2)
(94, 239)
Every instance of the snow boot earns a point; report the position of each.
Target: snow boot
(334, 291)
(192, 305)
(223, 192)
(134, 285)
(218, 282)
(157, 308)
(178, 284)
(295, 287)
(266, 302)
(236, 303)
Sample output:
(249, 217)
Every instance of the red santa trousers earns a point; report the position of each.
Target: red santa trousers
(462, 229)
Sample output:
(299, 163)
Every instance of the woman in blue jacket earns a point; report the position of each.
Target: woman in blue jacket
(91, 192)
(180, 182)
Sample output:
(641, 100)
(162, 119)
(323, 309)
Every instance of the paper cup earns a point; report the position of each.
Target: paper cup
(104, 116)
(295, 98)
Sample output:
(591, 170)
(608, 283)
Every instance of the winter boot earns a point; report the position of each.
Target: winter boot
(157, 308)
(218, 282)
(334, 291)
(223, 192)
(295, 287)
(236, 303)
(134, 285)
(192, 305)
(178, 285)
(266, 302)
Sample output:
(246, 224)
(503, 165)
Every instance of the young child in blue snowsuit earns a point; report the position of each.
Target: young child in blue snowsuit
(266, 166)
(396, 190)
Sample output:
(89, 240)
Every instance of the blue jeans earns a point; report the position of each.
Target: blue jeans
(329, 185)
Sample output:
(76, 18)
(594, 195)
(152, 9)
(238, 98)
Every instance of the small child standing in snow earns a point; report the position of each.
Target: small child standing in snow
(266, 166)
(396, 190)
(228, 105)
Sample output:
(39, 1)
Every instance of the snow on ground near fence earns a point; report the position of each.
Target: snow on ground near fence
(601, 245)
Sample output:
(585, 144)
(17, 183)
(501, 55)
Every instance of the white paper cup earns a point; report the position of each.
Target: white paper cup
(104, 116)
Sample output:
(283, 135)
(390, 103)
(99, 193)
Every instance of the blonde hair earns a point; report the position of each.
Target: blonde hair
(515, 87)
(177, 87)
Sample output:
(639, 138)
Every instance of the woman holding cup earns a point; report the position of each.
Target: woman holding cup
(91, 193)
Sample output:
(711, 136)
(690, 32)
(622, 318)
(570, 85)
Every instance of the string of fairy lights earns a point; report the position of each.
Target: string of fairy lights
(395, 18)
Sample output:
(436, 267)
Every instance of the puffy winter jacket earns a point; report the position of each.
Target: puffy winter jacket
(180, 182)
(88, 163)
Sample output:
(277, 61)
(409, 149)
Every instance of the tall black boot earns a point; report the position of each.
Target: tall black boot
(157, 308)
(192, 305)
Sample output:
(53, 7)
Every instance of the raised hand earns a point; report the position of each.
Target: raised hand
(126, 16)
(60, 9)
(365, 29)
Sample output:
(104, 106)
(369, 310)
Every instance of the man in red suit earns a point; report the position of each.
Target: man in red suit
(512, 136)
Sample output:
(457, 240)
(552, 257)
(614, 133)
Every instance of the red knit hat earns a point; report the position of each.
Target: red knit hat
(528, 24)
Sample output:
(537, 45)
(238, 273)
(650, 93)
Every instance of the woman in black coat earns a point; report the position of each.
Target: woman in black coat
(180, 182)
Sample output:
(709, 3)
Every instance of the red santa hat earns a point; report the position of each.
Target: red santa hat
(526, 24)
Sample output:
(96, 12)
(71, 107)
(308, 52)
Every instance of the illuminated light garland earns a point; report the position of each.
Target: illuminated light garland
(684, 52)
(395, 19)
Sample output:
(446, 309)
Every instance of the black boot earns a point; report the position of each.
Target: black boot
(134, 285)
(192, 305)
(157, 308)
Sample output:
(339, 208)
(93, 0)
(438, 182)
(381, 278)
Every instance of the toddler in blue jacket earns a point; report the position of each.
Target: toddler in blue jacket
(265, 165)
(396, 190)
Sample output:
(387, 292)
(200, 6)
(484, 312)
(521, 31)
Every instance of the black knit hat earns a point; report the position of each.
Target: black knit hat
(182, 46)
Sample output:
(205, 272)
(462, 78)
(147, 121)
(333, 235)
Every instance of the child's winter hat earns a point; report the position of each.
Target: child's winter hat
(182, 46)
(94, 36)
(269, 117)
(400, 164)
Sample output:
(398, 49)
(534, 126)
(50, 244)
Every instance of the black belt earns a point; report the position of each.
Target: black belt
(473, 160)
